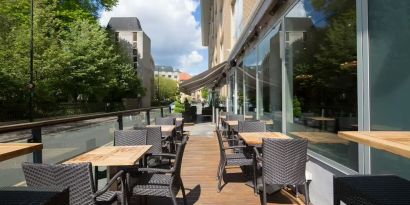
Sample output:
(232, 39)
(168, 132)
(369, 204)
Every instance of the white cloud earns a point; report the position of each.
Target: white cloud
(175, 34)
(192, 59)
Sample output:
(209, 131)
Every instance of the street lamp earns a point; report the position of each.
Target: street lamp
(158, 86)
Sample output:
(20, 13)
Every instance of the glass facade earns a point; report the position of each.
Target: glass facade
(249, 80)
(270, 80)
(389, 78)
(302, 75)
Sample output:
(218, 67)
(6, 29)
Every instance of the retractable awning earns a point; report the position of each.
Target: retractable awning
(206, 78)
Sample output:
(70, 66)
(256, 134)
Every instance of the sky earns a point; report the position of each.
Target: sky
(174, 27)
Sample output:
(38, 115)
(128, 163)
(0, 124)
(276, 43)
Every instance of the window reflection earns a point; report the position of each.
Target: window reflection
(321, 63)
(249, 71)
(270, 80)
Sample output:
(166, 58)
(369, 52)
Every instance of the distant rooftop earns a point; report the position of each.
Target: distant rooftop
(124, 24)
(165, 68)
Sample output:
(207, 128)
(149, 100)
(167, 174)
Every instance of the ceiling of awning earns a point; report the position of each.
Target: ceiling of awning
(204, 79)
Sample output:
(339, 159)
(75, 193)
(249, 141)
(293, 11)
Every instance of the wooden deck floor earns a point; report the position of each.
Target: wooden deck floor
(199, 176)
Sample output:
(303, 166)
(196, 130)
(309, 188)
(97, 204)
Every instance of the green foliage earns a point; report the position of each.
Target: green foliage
(179, 107)
(75, 60)
(297, 107)
(204, 93)
(168, 89)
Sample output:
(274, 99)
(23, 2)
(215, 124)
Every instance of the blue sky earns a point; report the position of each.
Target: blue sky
(175, 34)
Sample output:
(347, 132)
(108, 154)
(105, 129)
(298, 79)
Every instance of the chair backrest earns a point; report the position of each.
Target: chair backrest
(154, 136)
(251, 126)
(176, 177)
(130, 137)
(234, 117)
(76, 177)
(284, 161)
(165, 121)
(221, 145)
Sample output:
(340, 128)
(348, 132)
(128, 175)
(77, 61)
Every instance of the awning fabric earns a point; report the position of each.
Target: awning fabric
(206, 78)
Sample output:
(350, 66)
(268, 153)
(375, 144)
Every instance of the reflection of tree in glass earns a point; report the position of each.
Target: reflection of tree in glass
(325, 62)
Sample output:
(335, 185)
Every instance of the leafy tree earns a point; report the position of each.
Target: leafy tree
(204, 93)
(168, 89)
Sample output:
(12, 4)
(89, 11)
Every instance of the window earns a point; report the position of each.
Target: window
(134, 36)
(134, 52)
(270, 81)
(321, 84)
(389, 78)
(249, 71)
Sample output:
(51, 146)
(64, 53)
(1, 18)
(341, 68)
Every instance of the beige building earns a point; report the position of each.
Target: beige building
(222, 23)
(128, 31)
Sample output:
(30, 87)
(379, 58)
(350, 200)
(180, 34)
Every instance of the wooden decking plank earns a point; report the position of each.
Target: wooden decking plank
(199, 168)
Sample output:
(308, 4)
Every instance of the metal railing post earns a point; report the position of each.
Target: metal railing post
(120, 124)
(148, 118)
(37, 138)
(162, 112)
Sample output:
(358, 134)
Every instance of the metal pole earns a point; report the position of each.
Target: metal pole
(31, 85)
(158, 86)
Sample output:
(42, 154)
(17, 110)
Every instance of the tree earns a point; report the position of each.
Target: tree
(168, 89)
(204, 93)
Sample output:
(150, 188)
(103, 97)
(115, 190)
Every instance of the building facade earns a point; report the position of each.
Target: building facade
(167, 72)
(316, 68)
(129, 33)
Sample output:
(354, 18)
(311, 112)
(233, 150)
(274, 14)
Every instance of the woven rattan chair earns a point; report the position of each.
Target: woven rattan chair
(130, 137)
(236, 159)
(251, 126)
(163, 182)
(283, 162)
(165, 121)
(77, 178)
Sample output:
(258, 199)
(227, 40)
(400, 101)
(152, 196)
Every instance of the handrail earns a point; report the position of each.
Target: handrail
(43, 123)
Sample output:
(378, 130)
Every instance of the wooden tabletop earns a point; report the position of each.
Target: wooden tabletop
(112, 155)
(246, 116)
(235, 122)
(319, 118)
(179, 118)
(11, 150)
(320, 137)
(396, 142)
(164, 128)
(255, 138)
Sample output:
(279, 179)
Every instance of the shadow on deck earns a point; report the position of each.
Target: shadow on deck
(199, 167)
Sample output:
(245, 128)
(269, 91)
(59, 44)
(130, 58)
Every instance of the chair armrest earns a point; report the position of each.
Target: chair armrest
(164, 155)
(258, 156)
(156, 170)
(119, 175)
(227, 140)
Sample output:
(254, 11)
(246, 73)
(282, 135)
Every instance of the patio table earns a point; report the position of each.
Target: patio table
(111, 157)
(396, 142)
(11, 150)
(323, 121)
(255, 138)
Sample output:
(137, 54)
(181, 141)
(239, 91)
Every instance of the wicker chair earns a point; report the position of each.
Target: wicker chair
(163, 182)
(251, 126)
(283, 163)
(130, 137)
(236, 159)
(78, 178)
(165, 121)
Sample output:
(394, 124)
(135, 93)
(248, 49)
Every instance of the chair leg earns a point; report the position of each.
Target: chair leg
(219, 169)
(264, 200)
(307, 200)
(183, 193)
(255, 179)
(173, 198)
(220, 177)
